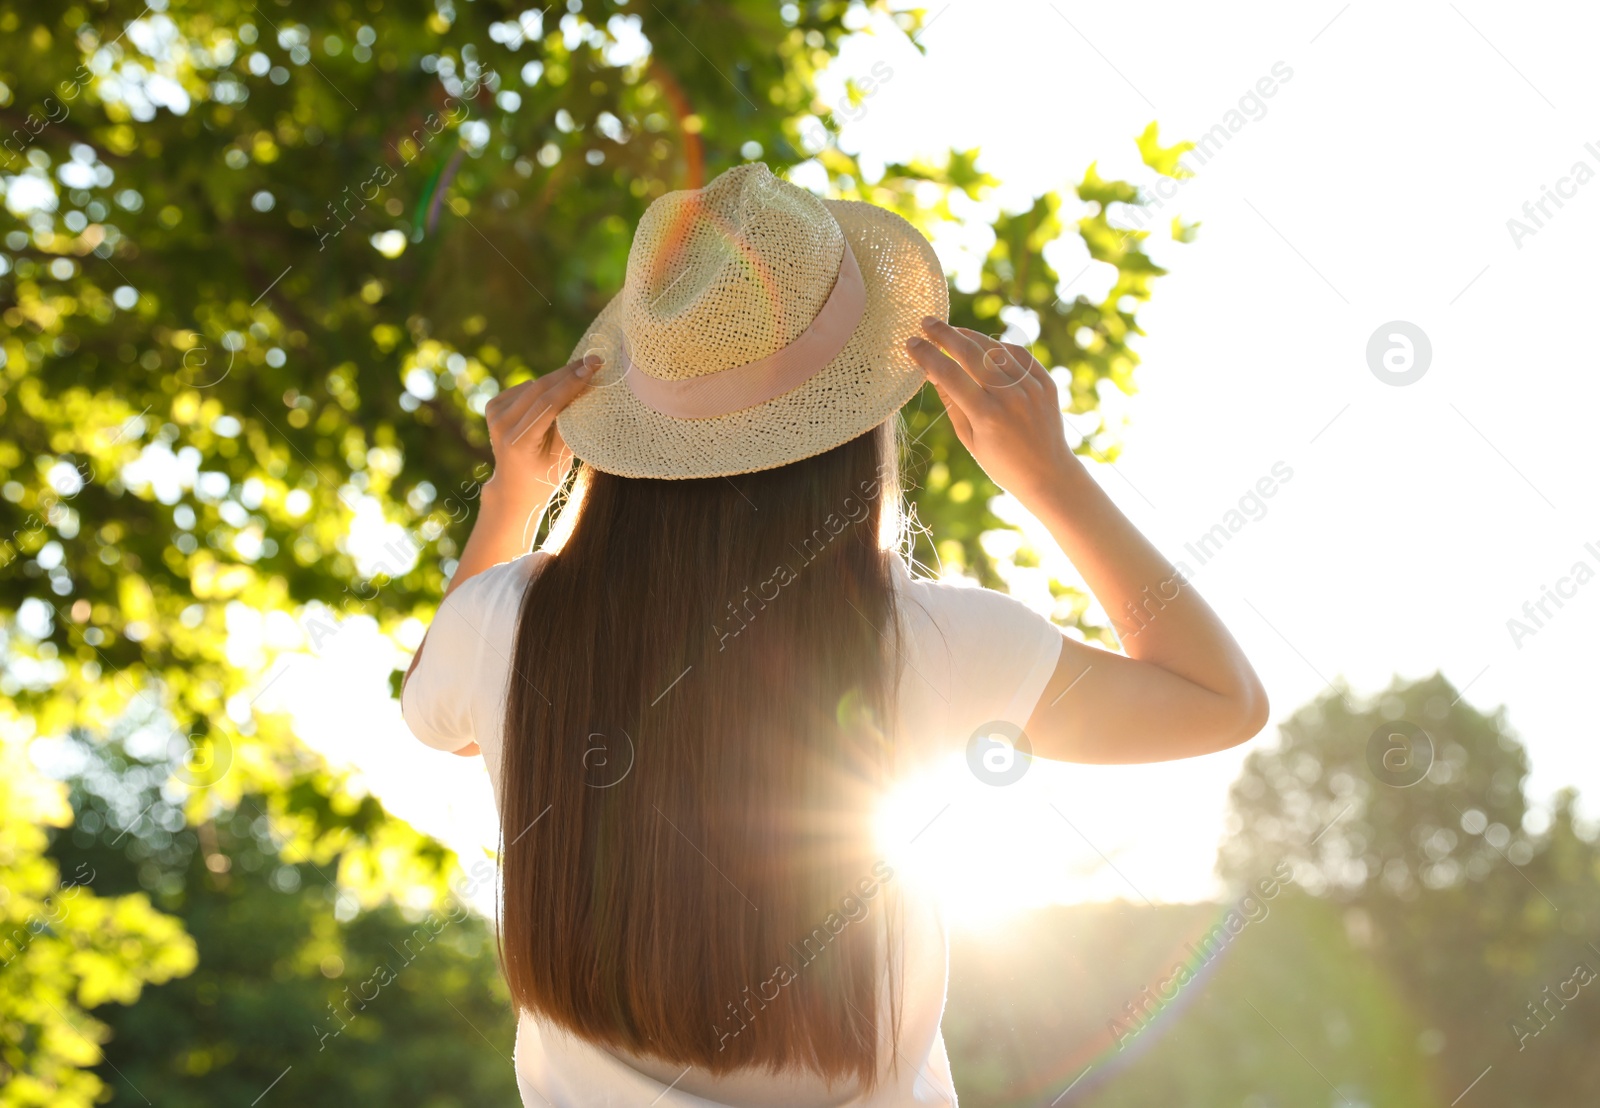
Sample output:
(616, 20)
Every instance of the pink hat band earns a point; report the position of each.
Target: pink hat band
(745, 386)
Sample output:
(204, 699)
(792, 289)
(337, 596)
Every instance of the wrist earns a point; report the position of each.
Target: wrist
(1056, 485)
(507, 523)
(503, 493)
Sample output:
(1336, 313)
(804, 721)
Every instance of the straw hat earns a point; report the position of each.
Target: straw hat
(757, 325)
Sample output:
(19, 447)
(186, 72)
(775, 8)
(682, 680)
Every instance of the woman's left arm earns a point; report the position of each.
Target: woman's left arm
(530, 462)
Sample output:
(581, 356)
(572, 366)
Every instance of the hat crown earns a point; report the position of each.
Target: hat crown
(727, 274)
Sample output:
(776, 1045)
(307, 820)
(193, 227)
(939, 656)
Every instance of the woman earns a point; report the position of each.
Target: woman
(692, 700)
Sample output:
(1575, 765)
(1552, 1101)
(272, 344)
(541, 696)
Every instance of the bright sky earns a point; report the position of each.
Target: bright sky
(1375, 187)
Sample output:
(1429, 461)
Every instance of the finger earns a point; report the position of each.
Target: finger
(1031, 365)
(1001, 365)
(1027, 366)
(964, 348)
(542, 410)
(502, 403)
(513, 405)
(945, 372)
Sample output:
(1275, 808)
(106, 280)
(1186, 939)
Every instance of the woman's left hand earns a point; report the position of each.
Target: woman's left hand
(530, 458)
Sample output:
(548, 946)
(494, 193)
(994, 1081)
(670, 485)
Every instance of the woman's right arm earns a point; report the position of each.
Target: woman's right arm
(1183, 687)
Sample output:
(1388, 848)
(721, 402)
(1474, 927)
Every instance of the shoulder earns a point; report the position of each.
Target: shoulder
(965, 605)
(495, 594)
(972, 654)
(450, 697)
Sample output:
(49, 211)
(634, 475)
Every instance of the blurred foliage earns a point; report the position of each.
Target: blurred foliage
(261, 268)
(296, 988)
(65, 947)
(1472, 901)
(1434, 938)
(1015, 1042)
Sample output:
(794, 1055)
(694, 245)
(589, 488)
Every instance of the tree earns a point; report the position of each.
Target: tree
(265, 264)
(1473, 901)
(295, 987)
(65, 948)
(1084, 997)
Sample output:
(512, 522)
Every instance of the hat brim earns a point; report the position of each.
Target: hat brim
(611, 429)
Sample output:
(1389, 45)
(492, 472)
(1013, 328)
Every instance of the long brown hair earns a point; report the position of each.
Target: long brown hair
(696, 732)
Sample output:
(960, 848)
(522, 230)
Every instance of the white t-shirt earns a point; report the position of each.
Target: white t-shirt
(969, 656)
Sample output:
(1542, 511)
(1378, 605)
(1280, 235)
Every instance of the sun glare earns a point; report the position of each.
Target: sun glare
(991, 852)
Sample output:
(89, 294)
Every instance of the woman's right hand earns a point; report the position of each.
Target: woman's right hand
(1003, 405)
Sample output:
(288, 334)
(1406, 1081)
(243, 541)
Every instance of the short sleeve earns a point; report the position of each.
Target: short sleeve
(972, 656)
(451, 698)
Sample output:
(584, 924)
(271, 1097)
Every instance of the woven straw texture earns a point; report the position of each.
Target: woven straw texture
(729, 274)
